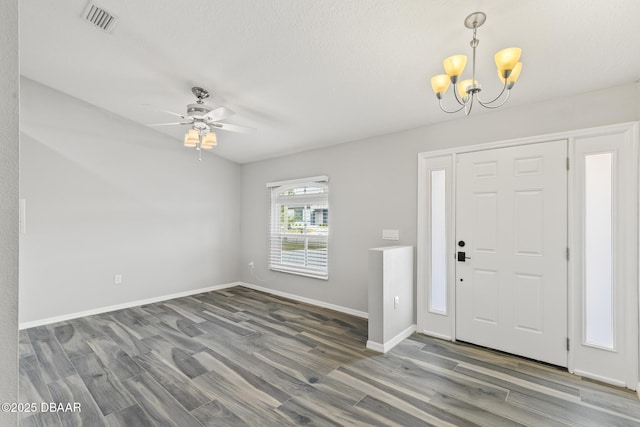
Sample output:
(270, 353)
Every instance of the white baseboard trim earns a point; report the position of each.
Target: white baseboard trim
(49, 320)
(383, 348)
(437, 335)
(375, 346)
(323, 304)
(600, 378)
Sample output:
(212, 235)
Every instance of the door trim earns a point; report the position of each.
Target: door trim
(625, 194)
(443, 326)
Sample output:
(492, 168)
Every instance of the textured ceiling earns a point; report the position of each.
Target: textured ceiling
(308, 74)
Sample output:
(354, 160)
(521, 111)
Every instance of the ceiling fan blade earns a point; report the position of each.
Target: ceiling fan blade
(170, 124)
(232, 128)
(218, 114)
(175, 114)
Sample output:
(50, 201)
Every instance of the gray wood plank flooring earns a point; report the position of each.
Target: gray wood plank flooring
(239, 357)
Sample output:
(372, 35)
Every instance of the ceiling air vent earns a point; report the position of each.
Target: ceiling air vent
(100, 17)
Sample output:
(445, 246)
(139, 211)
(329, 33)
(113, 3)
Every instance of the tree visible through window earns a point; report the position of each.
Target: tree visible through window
(300, 229)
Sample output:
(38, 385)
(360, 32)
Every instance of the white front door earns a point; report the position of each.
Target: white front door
(511, 224)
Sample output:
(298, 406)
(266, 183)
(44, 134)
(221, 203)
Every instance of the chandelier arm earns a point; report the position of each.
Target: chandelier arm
(455, 95)
(488, 104)
(450, 111)
(470, 103)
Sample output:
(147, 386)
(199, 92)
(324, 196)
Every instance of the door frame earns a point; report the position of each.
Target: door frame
(442, 325)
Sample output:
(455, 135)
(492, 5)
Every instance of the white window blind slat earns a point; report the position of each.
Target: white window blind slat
(299, 228)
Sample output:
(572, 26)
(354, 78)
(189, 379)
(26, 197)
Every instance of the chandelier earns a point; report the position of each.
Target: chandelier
(466, 92)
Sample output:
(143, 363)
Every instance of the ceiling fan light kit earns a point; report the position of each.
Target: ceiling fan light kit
(203, 118)
(467, 91)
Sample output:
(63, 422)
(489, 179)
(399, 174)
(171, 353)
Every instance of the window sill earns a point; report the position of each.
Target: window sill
(305, 273)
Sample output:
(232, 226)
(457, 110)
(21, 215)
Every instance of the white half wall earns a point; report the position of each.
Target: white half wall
(373, 185)
(106, 196)
(391, 302)
(9, 149)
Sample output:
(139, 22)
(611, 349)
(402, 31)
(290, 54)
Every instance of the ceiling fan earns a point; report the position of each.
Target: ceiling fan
(203, 119)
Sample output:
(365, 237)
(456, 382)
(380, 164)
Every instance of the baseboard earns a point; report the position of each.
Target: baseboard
(383, 348)
(323, 304)
(375, 346)
(50, 320)
(600, 378)
(47, 321)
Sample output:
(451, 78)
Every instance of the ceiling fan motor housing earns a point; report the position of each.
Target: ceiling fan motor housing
(198, 111)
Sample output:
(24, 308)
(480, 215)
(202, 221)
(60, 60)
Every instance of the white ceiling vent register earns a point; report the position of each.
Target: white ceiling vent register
(100, 17)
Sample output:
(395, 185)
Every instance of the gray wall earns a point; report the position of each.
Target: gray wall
(373, 185)
(106, 196)
(9, 85)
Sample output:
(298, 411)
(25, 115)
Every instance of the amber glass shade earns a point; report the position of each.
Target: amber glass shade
(454, 65)
(507, 59)
(462, 87)
(515, 73)
(191, 138)
(440, 83)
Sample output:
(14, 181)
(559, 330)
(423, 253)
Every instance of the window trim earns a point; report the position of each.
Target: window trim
(312, 179)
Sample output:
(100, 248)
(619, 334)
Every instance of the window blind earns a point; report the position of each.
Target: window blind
(299, 227)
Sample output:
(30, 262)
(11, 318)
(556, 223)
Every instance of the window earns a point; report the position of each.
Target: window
(438, 206)
(299, 228)
(598, 253)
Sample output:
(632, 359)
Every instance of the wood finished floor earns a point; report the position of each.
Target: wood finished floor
(241, 357)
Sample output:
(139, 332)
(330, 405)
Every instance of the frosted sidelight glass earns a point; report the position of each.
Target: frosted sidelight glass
(438, 291)
(598, 260)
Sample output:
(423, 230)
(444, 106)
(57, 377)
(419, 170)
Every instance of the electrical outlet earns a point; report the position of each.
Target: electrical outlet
(117, 279)
(396, 301)
(251, 264)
